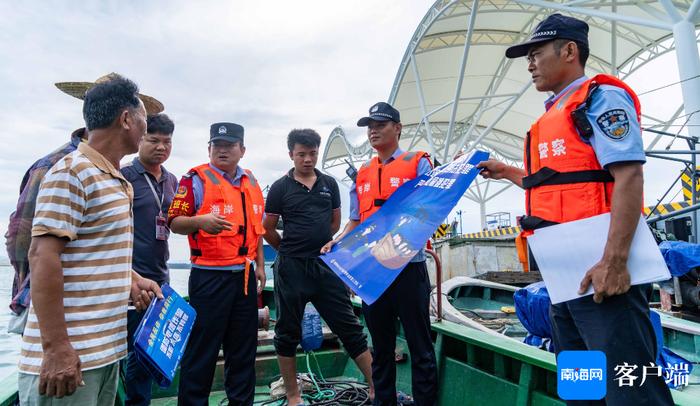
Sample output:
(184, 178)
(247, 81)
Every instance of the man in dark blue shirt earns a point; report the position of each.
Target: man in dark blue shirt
(309, 203)
(154, 188)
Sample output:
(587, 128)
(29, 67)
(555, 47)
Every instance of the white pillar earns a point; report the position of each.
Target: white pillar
(689, 67)
(482, 212)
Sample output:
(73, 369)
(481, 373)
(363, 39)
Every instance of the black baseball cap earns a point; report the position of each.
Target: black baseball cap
(380, 112)
(230, 132)
(553, 27)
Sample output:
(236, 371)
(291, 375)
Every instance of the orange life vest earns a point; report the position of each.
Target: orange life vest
(242, 206)
(565, 181)
(375, 181)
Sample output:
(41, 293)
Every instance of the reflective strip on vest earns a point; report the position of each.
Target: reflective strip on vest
(253, 181)
(210, 175)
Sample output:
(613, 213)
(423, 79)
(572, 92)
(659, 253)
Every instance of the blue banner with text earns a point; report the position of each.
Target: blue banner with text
(375, 252)
(161, 337)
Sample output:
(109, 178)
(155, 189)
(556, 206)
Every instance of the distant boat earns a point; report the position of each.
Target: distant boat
(488, 307)
(179, 265)
(270, 255)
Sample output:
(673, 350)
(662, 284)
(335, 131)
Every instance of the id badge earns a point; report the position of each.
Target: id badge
(162, 230)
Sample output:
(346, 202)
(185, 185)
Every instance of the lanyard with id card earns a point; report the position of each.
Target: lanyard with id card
(162, 230)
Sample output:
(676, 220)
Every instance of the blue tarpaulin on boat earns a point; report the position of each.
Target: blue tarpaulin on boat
(676, 369)
(542, 343)
(680, 256)
(532, 307)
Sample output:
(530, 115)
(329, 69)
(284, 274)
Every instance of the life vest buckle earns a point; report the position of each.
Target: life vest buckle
(534, 222)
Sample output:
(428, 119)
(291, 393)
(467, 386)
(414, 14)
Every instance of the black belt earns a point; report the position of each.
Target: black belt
(547, 176)
(196, 252)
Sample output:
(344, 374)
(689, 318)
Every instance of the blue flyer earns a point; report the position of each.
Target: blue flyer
(160, 339)
(376, 251)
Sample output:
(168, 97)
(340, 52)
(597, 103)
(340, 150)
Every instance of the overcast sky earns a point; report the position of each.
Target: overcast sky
(270, 66)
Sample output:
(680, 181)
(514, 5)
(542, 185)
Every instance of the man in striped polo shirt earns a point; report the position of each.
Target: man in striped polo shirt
(80, 258)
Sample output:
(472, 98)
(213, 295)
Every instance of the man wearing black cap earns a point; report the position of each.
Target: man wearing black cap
(584, 157)
(219, 206)
(407, 297)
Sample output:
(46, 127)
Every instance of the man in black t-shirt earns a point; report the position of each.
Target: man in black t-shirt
(309, 203)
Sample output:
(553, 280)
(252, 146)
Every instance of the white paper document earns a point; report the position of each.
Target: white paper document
(565, 252)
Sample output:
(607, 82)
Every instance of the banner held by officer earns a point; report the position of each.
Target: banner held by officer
(372, 256)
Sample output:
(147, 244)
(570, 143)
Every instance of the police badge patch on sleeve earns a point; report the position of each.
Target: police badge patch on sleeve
(614, 124)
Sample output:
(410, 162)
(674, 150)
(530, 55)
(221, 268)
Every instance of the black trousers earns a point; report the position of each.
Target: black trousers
(225, 316)
(302, 280)
(137, 381)
(408, 300)
(619, 327)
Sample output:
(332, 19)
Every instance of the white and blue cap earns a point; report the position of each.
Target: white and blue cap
(380, 112)
(553, 27)
(230, 132)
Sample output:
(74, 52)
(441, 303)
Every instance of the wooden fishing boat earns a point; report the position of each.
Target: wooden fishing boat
(487, 306)
(476, 366)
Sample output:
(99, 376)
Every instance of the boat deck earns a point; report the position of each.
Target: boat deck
(476, 368)
(262, 396)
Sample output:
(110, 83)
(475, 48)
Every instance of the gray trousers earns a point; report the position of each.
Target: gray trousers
(100, 389)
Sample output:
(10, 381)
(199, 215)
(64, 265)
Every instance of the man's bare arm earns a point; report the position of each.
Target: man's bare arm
(610, 275)
(493, 169)
(260, 266)
(60, 372)
(47, 288)
(335, 221)
(143, 290)
(211, 223)
(271, 235)
(351, 224)
(626, 209)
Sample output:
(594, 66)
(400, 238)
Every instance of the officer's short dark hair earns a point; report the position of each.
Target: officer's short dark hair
(105, 101)
(306, 137)
(160, 123)
(583, 51)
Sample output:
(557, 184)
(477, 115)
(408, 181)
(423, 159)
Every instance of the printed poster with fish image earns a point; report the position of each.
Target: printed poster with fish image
(376, 251)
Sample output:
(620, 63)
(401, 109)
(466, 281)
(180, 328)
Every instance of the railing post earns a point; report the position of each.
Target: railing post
(438, 281)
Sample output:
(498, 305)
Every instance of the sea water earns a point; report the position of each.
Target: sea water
(10, 343)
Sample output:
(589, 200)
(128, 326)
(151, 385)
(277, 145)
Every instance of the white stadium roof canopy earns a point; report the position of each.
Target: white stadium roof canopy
(456, 90)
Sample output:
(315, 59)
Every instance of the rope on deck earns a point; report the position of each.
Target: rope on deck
(327, 392)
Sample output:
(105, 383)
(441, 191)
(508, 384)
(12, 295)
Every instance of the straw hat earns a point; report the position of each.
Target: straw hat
(78, 89)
